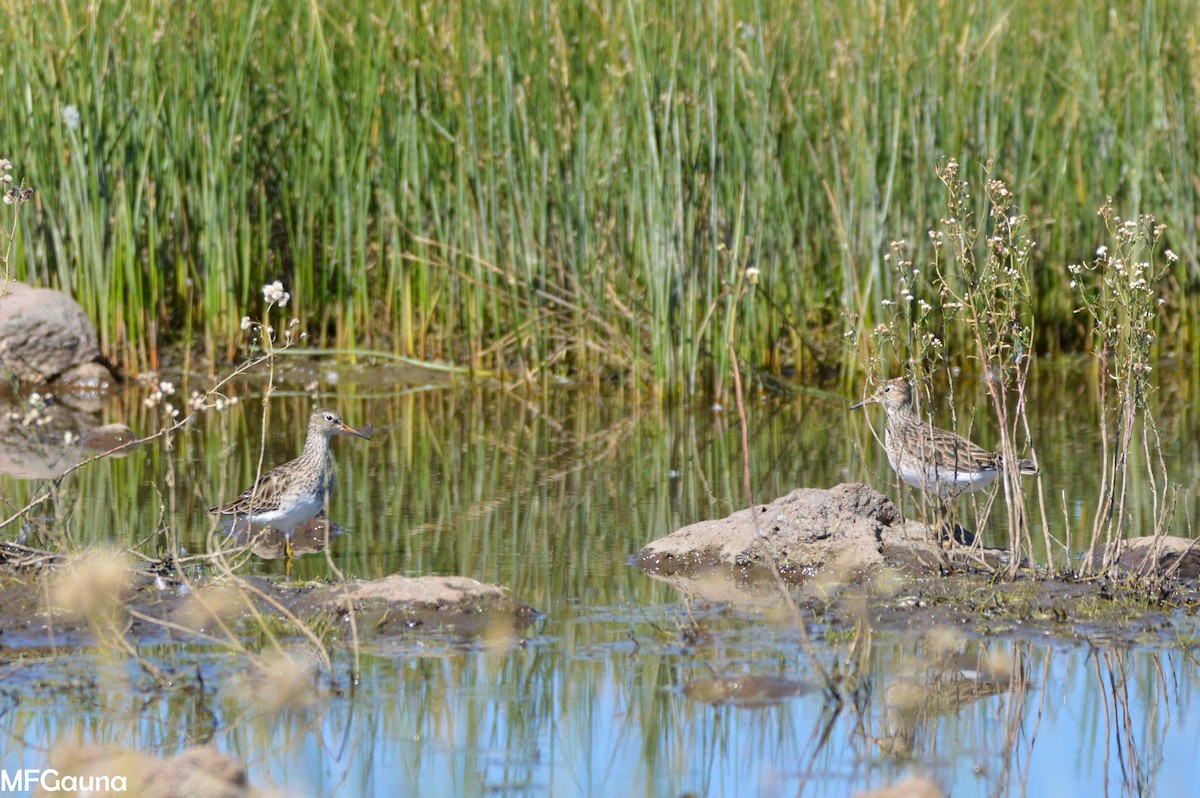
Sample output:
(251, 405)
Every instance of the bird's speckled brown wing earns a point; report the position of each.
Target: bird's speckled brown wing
(264, 496)
(954, 452)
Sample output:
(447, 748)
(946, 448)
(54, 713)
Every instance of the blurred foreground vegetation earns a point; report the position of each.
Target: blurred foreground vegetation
(577, 189)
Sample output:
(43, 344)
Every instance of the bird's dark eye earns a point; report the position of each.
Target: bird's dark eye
(330, 417)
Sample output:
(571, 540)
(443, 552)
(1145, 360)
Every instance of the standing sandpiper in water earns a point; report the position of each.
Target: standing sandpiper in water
(289, 495)
(935, 460)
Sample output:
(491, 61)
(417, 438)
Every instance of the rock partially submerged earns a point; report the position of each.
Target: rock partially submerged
(400, 603)
(423, 592)
(850, 527)
(45, 337)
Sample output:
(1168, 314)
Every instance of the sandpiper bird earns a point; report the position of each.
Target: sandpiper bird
(288, 495)
(935, 460)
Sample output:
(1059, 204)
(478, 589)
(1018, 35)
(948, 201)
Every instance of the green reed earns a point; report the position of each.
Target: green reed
(558, 190)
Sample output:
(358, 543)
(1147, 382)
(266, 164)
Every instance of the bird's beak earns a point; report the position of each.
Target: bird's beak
(868, 401)
(346, 429)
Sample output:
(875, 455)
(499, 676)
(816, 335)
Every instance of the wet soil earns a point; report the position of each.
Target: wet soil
(1034, 605)
(152, 608)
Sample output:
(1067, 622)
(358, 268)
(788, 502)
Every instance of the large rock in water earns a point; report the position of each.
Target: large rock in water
(851, 526)
(46, 336)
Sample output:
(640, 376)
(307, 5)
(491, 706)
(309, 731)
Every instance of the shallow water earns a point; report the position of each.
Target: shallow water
(608, 690)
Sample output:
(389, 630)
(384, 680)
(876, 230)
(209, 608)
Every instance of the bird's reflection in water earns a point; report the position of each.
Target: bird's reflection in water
(310, 537)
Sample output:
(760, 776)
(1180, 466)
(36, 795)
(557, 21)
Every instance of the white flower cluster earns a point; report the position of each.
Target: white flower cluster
(274, 294)
(290, 332)
(161, 390)
(197, 403)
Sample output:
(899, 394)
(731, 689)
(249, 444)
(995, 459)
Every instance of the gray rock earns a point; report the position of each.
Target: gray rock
(424, 592)
(43, 334)
(400, 604)
(850, 525)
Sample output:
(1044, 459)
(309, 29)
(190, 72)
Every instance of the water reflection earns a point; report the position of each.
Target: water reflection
(1008, 718)
(42, 438)
(311, 537)
(625, 683)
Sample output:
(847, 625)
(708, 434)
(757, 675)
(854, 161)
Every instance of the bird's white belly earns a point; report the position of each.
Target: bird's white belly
(947, 482)
(293, 512)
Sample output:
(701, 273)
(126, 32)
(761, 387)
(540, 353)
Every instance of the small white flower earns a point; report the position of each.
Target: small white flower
(752, 275)
(1101, 251)
(1171, 256)
(245, 322)
(274, 294)
(70, 117)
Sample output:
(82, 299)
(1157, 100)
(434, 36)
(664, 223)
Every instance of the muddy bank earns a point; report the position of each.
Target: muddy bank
(828, 553)
(71, 604)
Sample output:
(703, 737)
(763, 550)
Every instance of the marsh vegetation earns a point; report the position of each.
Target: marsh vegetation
(592, 273)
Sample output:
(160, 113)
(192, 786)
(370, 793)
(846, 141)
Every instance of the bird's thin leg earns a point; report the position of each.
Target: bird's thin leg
(287, 548)
(945, 523)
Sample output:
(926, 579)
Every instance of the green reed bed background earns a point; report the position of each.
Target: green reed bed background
(574, 188)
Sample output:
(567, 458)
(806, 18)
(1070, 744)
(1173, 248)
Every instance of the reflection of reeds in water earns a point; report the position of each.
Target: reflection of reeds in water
(551, 507)
(612, 693)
